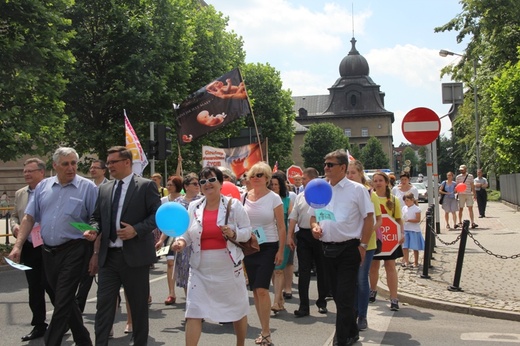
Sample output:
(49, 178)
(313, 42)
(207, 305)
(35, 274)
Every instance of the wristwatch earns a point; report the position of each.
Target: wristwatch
(363, 245)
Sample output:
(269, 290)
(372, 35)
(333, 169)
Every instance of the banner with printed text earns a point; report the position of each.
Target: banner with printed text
(212, 107)
(139, 160)
(238, 159)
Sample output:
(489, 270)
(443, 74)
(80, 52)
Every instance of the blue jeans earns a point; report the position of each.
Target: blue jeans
(363, 289)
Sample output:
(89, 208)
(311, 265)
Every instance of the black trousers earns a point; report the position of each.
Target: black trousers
(309, 251)
(136, 282)
(482, 201)
(86, 280)
(63, 268)
(342, 272)
(37, 283)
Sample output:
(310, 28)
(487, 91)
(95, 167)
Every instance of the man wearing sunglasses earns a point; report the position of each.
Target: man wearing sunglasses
(344, 234)
(125, 247)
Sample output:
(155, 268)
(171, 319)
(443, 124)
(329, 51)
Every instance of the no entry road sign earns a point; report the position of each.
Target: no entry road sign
(421, 126)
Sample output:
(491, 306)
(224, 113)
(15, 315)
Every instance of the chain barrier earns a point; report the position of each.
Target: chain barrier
(490, 252)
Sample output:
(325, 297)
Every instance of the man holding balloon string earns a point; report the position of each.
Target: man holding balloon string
(342, 218)
(124, 250)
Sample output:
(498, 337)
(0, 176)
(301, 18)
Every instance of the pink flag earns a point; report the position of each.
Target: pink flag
(139, 160)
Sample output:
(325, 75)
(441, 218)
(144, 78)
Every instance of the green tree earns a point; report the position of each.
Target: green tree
(34, 60)
(491, 30)
(143, 56)
(447, 159)
(503, 132)
(272, 108)
(355, 151)
(320, 140)
(373, 156)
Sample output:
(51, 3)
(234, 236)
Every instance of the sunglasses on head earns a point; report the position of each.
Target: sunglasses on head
(204, 181)
(331, 164)
(258, 175)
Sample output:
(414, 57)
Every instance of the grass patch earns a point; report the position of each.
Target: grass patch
(493, 195)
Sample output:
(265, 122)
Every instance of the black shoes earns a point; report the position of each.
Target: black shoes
(36, 333)
(322, 310)
(348, 342)
(287, 295)
(301, 313)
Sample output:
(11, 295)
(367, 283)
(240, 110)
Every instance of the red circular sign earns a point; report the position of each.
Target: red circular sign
(391, 233)
(421, 126)
(292, 171)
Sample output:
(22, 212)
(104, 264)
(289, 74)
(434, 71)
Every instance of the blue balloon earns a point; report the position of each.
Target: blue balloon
(172, 219)
(318, 193)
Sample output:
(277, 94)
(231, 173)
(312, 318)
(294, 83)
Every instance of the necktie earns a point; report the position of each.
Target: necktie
(115, 206)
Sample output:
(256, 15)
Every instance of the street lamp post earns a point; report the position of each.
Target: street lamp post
(445, 53)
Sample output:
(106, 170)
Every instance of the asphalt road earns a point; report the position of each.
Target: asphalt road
(409, 326)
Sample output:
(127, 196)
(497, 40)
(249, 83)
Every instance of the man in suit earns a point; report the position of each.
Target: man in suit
(33, 173)
(124, 248)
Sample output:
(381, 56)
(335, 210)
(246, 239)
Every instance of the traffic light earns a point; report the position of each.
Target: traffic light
(152, 149)
(164, 143)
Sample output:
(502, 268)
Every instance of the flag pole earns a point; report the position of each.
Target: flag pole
(252, 114)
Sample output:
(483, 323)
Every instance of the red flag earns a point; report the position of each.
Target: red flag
(212, 107)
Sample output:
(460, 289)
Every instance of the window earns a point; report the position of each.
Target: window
(364, 132)
(348, 132)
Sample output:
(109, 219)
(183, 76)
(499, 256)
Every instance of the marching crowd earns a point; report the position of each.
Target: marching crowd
(70, 229)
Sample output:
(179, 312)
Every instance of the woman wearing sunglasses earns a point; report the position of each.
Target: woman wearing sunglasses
(265, 210)
(216, 286)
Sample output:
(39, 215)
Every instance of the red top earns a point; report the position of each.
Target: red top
(212, 237)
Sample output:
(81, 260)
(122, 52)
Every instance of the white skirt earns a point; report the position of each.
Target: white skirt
(217, 289)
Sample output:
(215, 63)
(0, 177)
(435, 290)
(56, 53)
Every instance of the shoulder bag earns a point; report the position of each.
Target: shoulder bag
(248, 247)
(441, 198)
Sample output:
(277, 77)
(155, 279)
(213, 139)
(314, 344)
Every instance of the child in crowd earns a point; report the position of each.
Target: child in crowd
(413, 238)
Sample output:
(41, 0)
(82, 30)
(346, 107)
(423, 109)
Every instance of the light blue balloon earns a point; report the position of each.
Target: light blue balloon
(318, 193)
(172, 219)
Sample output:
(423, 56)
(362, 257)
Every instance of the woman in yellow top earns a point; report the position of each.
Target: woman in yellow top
(355, 172)
(391, 206)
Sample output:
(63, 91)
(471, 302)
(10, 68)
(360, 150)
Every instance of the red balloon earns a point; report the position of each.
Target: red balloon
(230, 190)
(461, 187)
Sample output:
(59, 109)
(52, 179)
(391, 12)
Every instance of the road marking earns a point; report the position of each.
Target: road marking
(379, 318)
(491, 337)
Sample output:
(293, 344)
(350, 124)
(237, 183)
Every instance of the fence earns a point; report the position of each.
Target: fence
(510, 188)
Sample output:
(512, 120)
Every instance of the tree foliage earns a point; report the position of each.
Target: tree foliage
(492, 29)
(34, 59)
(373, 156)
(273, 111)
(503, 131)
(320, 140)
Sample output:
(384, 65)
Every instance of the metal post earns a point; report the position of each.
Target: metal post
(477, 130)
(152, 138)
(460, 258)
(7, 216)
(427, 248)
(436, 188)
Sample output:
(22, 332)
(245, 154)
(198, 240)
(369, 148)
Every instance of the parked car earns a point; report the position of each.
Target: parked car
(423, 192)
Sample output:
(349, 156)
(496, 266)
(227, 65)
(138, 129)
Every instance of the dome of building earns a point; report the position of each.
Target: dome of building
(354, 64)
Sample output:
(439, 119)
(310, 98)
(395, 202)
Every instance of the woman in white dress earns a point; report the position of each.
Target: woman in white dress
(216, 285)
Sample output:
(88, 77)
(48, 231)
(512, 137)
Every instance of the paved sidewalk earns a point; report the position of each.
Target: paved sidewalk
(490, 285)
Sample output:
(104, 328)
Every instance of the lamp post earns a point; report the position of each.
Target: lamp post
(445, 53)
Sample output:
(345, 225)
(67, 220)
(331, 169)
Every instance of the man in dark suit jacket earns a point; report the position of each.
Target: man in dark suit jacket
(124, 248)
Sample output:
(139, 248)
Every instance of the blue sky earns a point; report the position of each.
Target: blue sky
(307, 39)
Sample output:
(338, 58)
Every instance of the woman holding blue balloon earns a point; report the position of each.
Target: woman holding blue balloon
(216, 285)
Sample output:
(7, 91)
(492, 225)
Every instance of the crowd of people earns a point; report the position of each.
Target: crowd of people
(119, 245)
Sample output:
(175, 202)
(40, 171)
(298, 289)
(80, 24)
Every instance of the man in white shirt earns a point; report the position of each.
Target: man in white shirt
(344, 234)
